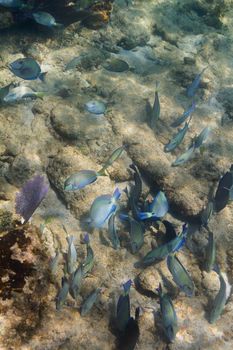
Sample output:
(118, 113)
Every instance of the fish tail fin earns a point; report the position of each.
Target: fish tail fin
(127, 286)
(116, 194)
(86, 238)
(157, 83)
(70, 239)
(40, 95)
(124, 216)
(59, 25)
(159, 290)
(42, 76)
(102, 171)
(216, 268)
(144, 215)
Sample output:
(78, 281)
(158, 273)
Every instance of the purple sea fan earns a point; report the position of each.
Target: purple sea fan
(30, 197)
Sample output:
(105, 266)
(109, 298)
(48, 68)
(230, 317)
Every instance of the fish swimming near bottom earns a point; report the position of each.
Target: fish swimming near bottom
(76, 282)
(90, 301)
(184, 116)
(112, 232)
(71, 254)
(177, 139)
(221, 298)
(62, 294)
(80, 180)
(45, 19)
(169, 318)
(89, 261)
(210, 253)
(128, 340)
(4, 91)
(183, 158)
(180, 275)
(22, 92)
(27, 69)
(123, 308)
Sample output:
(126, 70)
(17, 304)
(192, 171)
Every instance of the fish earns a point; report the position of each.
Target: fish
(136, 233)
(45, 19)
(202, 137)
(180, 275)
(123, 308)
(90, 301)
(207, 213)
(137, 189)
(184, 116)
(102, 207)
(221, 298)
(210, 253)
(170, 231)
(74, 62)
(155, 110)
(191, 90)
(112, 232)
(89, 261)
(76, 282)
(169, 317)
(4, 91)
(116, 65)
(129, 338)
(177, 139)
(95, 107)
(71, 254)
(54, 263)
(158, 208)
(164, 250)
(27, 69)
(223, 192)
(11, 3)
(184, 157)
(62, 294)
(80, 180)
(22, 92)
(113, 157)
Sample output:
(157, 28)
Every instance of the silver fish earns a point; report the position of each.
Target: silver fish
(202, 137)
(221, 298)
(71, 254)
(90, 301)
(62, 294)
(183, 158)
(210, 253)
(76, 282)
(22, 92)
(45, 19)
(95, 107)
(191, 90)
(112, 232)
(54, 263)
(177, 139)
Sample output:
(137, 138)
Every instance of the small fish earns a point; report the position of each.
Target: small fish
(169, 318)
(207, 213)
(164, 250)
(128, 340)
(76, 282)
(90, 301)
(71, 254)
(123, 308)
(184, 116)
(183, 158)
(27, 69)
(136, 233)
(22, 92)
(113, 157)
(62, 294)
(210, 253)
(155, 110)
(223, 193)
(74, 62)
(54, 263)
(202, 137)
(80, 180)
(89, 261)
(221, 298)
(116, 65)
(180, 275)
(95, 107)
(102, 207)
(112, 232)
(45, 19)
(157, 209)
(191, 90)
(177, 139)
(4, 91)
(137, 188)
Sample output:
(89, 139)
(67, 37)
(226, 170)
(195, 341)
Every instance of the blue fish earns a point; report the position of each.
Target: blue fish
(102, 207)
(157, 209)
(90, 301)
(191, 90)
(136, 233)
(202, 137)
(184, 116)
(27, 69)
(112, 232)
(177, 139)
